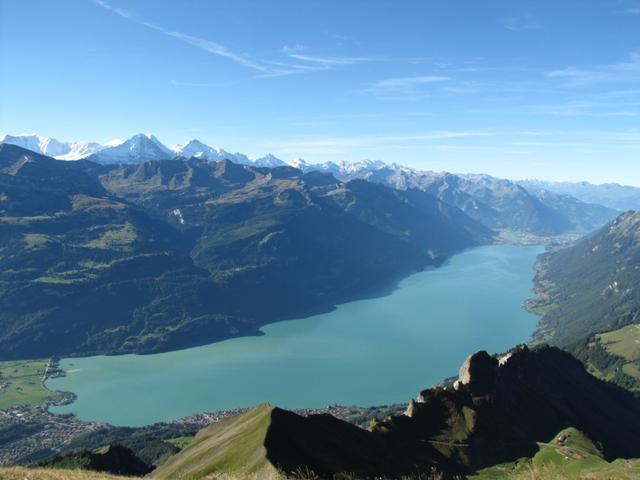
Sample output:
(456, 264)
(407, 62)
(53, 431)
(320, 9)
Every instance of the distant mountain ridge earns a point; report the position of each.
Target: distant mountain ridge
(496, 203)
(612, 195)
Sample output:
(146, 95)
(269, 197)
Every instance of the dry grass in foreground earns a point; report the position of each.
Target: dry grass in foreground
(624, 470)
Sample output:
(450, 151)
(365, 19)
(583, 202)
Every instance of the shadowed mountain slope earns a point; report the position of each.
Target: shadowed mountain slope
(163, 254)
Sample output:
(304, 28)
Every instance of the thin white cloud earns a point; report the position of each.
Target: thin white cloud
(329, 60)
(297, 53)
(204, 44)
(265, 68)
(404, 88)
(408, 82)
(218, 49)
(623, 72)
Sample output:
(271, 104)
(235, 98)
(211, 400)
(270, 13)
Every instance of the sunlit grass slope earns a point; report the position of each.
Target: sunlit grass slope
(235, 445)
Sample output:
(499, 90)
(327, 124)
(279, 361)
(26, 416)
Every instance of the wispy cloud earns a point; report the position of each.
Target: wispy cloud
(201, 43)
(589, 108)
(404, 87)
(264, 67)
(623, 72)
(526, 21)
(409, 82)
(298, 53)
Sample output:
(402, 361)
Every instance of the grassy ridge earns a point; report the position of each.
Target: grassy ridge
(239, 448)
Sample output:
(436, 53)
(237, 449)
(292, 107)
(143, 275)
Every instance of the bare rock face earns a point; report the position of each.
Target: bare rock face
(411, 409)
(479, 373)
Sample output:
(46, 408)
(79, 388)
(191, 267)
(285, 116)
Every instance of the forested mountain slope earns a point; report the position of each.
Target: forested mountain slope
(164, 254)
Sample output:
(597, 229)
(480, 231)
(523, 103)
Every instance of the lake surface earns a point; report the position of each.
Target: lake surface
(367, 352)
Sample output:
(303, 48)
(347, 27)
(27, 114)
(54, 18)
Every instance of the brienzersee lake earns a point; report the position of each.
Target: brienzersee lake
(366, 352)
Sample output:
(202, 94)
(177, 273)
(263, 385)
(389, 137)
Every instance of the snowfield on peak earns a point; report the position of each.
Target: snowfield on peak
(139, 148)
(52, 147)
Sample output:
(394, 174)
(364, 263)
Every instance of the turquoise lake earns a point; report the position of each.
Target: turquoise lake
(367, 352)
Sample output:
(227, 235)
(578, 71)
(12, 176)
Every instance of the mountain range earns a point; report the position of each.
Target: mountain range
(496, 203)
(612, 195)
(52, 147)
(139, 148)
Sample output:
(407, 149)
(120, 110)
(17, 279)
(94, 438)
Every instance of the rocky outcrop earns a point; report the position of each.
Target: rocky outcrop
(479, 372)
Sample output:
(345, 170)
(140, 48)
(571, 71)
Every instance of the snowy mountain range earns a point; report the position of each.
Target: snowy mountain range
(144, 147)
(139, 148)
(497, 204)
(52, 147)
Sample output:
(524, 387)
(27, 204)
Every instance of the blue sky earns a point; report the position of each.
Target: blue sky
(544, 89)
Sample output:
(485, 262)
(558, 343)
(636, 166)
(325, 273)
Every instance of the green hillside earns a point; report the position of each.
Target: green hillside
(233, 445)
(591, 287)
(590, 301)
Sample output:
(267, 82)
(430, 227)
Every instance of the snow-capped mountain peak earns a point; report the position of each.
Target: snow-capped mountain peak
(139, 148)
(270, 161)
(52, 147)
(300, 163)
(195, 148)
(362, 165)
